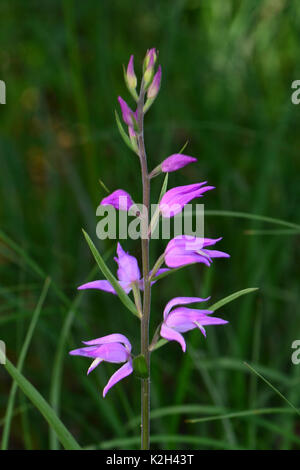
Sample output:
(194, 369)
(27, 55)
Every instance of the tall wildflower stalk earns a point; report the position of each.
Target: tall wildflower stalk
(182, 250)
(145, 387)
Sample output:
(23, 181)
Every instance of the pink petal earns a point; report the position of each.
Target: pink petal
(128, 270)
(181, 301)
(121, 373)
(105, 286)
(114, 338)
(172, 335)
(91, 351)
(216, 254)
(175, 259)
(176, 198)
(101, 285)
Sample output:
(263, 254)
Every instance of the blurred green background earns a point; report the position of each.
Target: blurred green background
(227, 66)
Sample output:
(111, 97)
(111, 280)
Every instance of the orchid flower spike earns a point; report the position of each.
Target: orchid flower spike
(183, 319)
(186, 249)
(128, 273)
(119, 199)
(175, 162)
(115, 348)
(174, 200)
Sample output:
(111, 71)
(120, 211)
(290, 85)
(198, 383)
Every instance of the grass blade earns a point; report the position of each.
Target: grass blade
(241, 414)
(273, 388)
(40, 403)
(23, 353)
(124, 443)
(246, 215)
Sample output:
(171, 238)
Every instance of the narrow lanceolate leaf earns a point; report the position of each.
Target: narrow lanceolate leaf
(231, 297)
(182, 148)
(161, 342)
(65, 437)
(110, 277)
(123, 133)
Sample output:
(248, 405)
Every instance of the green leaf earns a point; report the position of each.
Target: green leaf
(123, 133)
(140, 368)
(110, 277)
(40, 403)
(231, 297)
(164, 187)
(184, 146)
(22, 357)
(159, 344)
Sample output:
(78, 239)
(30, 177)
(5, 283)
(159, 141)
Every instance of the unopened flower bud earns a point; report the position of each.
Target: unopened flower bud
(127, 113)
(155, 85)
(149, 63)
(130, 75)
(150, 58)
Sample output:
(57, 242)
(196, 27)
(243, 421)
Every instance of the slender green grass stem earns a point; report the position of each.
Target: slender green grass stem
(145, 383)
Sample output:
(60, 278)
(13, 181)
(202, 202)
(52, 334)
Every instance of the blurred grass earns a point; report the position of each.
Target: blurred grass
(227, 74)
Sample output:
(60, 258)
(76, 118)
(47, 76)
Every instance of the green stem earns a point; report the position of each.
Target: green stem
(145, 383)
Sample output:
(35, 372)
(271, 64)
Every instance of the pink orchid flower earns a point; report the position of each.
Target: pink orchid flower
(115, 348)
(183, 319)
